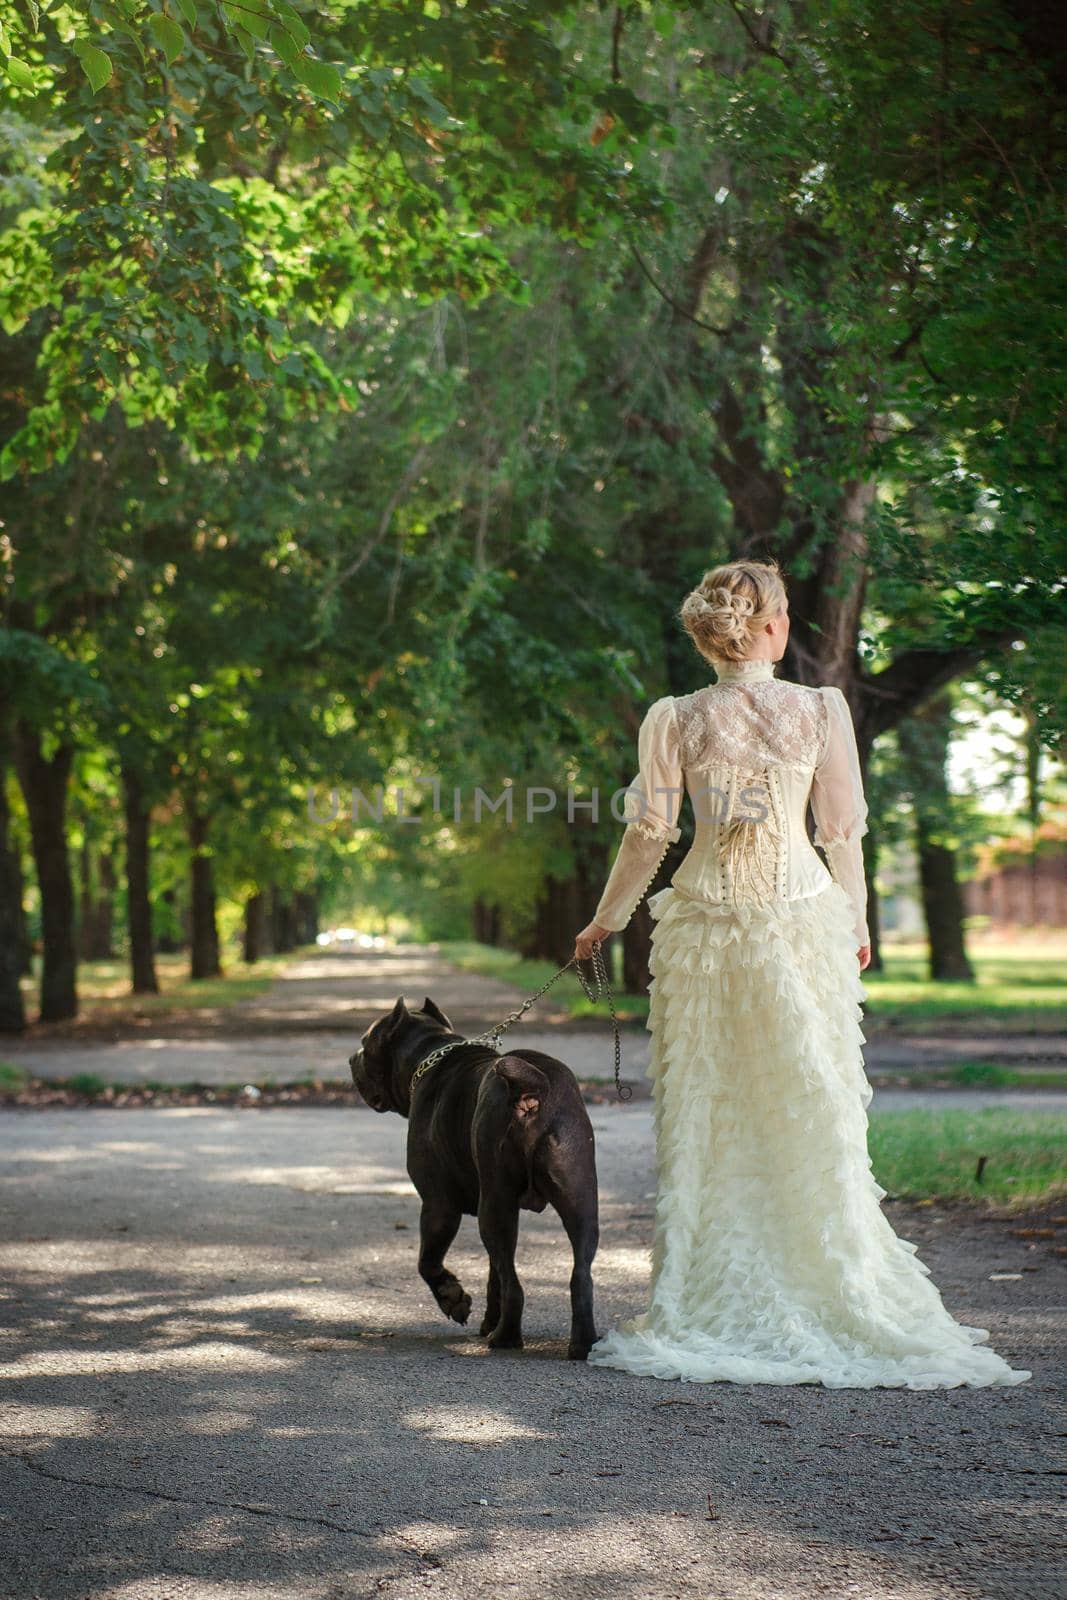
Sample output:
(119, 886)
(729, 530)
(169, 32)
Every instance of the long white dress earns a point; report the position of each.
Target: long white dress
(772, 1260)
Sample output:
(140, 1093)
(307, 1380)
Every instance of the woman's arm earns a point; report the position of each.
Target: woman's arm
(653, 804)
(839, 806)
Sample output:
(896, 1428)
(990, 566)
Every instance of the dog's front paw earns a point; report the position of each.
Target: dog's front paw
(578, 1352)
(454, 1301)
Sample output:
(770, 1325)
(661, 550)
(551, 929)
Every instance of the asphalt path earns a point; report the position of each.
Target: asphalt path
(223, 1380)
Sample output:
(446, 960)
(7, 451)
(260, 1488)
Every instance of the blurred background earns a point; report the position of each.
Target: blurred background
(375, 384)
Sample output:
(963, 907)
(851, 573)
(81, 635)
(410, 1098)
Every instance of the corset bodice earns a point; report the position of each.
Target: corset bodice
(752, 752)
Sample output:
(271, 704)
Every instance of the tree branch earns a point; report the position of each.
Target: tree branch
(885, 698)
(723, 333)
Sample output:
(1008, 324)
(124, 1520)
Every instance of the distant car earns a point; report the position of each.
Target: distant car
(344, 935)
(324, 938)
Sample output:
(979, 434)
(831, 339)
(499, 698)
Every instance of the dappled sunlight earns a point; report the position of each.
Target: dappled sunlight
(324, 1180)
(217, 1421)
(195, 1356)
(623, 1263)
(47, 1421)
(254, 1373)
(468, 1424)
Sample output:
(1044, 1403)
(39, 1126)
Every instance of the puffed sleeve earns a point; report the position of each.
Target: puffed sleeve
(652, 806)
(839, 807)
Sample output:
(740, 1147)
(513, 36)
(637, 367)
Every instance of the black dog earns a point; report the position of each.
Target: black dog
(488, 1135)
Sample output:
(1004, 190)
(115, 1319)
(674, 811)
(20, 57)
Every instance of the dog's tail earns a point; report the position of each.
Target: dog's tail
(528, 1086)
(529, 1089)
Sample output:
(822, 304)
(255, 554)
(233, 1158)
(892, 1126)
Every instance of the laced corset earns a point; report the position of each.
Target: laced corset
(751, 751)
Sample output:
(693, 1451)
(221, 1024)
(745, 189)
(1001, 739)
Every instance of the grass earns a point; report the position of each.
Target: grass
(1020, 987)
(971, 1075)
(995, 1075)
(104, 986)
(934, 1155)
(12, 1078)
(528, 975)
(90, 1084)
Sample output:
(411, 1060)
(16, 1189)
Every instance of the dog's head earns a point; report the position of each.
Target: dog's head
(377, 1066)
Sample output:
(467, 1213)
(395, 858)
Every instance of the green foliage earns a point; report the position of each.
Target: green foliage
(12, 1077)
(205, 212)
(88, 1084)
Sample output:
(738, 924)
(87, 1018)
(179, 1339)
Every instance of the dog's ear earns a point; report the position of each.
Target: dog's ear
(399, 1011)
(435, 1011)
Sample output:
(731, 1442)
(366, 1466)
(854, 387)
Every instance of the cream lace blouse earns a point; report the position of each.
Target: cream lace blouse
(751, 750)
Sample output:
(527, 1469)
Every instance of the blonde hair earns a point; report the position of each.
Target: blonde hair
(730, 604)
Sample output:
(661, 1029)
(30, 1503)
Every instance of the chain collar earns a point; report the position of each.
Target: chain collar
(601, 984)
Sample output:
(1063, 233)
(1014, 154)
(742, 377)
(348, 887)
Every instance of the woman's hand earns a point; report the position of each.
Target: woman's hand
(865, 956)
(583, 944)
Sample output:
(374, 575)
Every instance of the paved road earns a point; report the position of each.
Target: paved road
(223, 1380)
(289, 1057)
(312, 1017)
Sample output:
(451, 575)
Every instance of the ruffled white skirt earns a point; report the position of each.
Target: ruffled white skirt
(772, 1260)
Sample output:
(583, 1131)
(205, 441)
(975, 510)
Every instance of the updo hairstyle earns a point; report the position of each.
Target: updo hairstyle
(729, 606)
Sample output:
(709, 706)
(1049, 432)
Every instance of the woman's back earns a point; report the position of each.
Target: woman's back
(751, 751)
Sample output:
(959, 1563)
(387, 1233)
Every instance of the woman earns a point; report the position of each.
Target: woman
(772, 1261)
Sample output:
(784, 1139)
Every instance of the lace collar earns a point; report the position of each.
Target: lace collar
(753, 670)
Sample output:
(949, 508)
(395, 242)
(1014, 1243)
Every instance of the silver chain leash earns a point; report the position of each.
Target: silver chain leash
(601, 985)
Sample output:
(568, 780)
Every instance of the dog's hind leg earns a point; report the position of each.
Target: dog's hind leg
(572, 1189)
(492, 1302)
(498, 1224)
(438, 1225)
(579, 1217)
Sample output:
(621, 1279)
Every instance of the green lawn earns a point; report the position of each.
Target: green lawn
(104, 986)
(923, 1155)
(1018, 988)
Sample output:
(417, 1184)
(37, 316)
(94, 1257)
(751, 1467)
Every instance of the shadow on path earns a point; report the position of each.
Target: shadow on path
(223, 1377)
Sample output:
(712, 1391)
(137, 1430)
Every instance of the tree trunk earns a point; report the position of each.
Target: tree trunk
(636, 949)
(12, 1010)
(164, 939)
(203, 930)
(255, 922)
(44, 785)
(307, 917)
(943, 909)
(281, 920)
(560, 917)
(870, 864)
(85, 896)
(924, 746)
(138, 903)
(103, 916)
(25, 942)
(485, 917)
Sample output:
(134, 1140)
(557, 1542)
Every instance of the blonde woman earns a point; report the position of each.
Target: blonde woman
(772, 1260)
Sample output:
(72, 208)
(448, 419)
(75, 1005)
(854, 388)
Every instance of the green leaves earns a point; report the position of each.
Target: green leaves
(167, 35)
(95, 63)
(19, 73)
(321, 77)
(289, 43)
